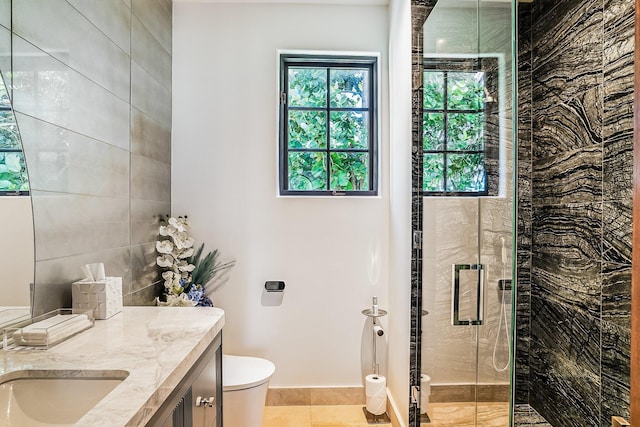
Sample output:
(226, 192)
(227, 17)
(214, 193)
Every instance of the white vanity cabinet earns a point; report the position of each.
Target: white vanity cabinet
(197, 400)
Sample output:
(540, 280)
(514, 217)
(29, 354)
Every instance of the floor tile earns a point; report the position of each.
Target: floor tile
(287, 416)
(337, 414)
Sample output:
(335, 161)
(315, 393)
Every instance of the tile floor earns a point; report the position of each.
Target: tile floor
(315, 416)
(458, 414)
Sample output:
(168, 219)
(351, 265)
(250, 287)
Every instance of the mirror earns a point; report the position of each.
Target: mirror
(17, 242)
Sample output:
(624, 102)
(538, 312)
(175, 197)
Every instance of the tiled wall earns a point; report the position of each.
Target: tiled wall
(92, 93)
(575, 148)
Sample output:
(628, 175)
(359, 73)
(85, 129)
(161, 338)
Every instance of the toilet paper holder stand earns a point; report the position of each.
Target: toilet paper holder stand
(374, 313)
(377, 331)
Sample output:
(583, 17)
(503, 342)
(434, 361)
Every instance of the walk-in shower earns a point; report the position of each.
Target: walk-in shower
(522, 211)
(463, 210)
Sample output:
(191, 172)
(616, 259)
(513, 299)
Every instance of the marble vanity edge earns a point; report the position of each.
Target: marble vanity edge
(155, 401)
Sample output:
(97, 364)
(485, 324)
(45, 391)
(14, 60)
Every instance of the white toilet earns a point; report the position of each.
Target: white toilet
(244, 389)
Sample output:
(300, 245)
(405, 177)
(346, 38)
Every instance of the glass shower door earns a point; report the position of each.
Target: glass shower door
(465, 213)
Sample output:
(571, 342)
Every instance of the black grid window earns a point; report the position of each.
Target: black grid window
(328, 125)
(455, 107)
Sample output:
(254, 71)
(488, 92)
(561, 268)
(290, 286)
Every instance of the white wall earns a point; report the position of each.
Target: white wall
(331, 252)
(400, 206)
(17, 241)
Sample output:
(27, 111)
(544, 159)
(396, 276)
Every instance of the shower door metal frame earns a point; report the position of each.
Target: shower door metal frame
(420, 10)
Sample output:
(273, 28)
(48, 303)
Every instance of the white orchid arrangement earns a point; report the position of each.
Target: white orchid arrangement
(185, 273)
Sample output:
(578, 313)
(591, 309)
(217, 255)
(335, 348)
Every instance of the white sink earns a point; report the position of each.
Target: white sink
(45, 398)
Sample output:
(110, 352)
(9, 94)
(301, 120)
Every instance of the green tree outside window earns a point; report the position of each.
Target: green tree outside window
(453, 132)
(13, 169)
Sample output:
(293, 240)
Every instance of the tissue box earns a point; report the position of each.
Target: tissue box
(103, 297)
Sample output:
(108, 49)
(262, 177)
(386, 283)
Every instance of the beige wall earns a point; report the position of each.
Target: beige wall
(16, 245)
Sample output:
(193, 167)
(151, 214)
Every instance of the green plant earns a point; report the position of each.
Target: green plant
(207, 268)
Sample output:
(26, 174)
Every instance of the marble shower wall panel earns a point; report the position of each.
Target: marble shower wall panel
(617, 221)
(565, 364)
(581, 71)
(567, 49)
(524, 218)
(618, 99)
(93, 93)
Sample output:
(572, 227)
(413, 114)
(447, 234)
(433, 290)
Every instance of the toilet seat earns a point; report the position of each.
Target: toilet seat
(243, 372)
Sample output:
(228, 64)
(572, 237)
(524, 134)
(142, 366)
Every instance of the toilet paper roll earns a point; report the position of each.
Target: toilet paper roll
(425, 391)
(376, 391)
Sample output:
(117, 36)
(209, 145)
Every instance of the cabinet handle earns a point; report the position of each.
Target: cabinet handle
(203, 401)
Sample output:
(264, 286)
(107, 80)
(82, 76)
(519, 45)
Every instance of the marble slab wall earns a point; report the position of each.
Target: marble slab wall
(575, 166)
(92, 94)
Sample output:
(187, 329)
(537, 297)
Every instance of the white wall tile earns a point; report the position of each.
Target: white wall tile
(149, 96)
(5, 13)
(64, 161)
(5, 56)
(147, 52)
(49, 90)
(145, 216)
(150, 179)
(149, 138)
(74, 40)
(112, 17)
(73, 224)
(54, 276)
(156, 15)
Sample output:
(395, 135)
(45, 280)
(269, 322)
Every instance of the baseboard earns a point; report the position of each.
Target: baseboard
(469, 393)
(316, 396)
(392, 410)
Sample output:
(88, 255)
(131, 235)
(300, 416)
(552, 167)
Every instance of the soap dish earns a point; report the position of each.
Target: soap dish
(43, 332)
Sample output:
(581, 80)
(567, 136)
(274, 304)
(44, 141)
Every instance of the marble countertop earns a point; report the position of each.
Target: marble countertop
(156, 345)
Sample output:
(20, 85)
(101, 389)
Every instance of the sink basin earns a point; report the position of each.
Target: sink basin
(43, 398)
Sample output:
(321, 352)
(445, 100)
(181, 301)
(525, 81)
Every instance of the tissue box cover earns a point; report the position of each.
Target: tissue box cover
(103, 297)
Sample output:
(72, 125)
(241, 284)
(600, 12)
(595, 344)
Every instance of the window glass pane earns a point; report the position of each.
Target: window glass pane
(307, 87)
(465, 91)
(433, 131)
(307, 129)
(349, 88)
(349, 171)
(433, 172)
(307, 171)
(466, 172)
(8, 131)
(433, 90)
(465, 131)
(13, 172)
(349, 129)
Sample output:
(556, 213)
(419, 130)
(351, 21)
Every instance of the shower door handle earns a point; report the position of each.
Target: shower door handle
(455, 294)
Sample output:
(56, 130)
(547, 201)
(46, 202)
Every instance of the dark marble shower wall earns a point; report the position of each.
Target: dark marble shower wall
(574, 222)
